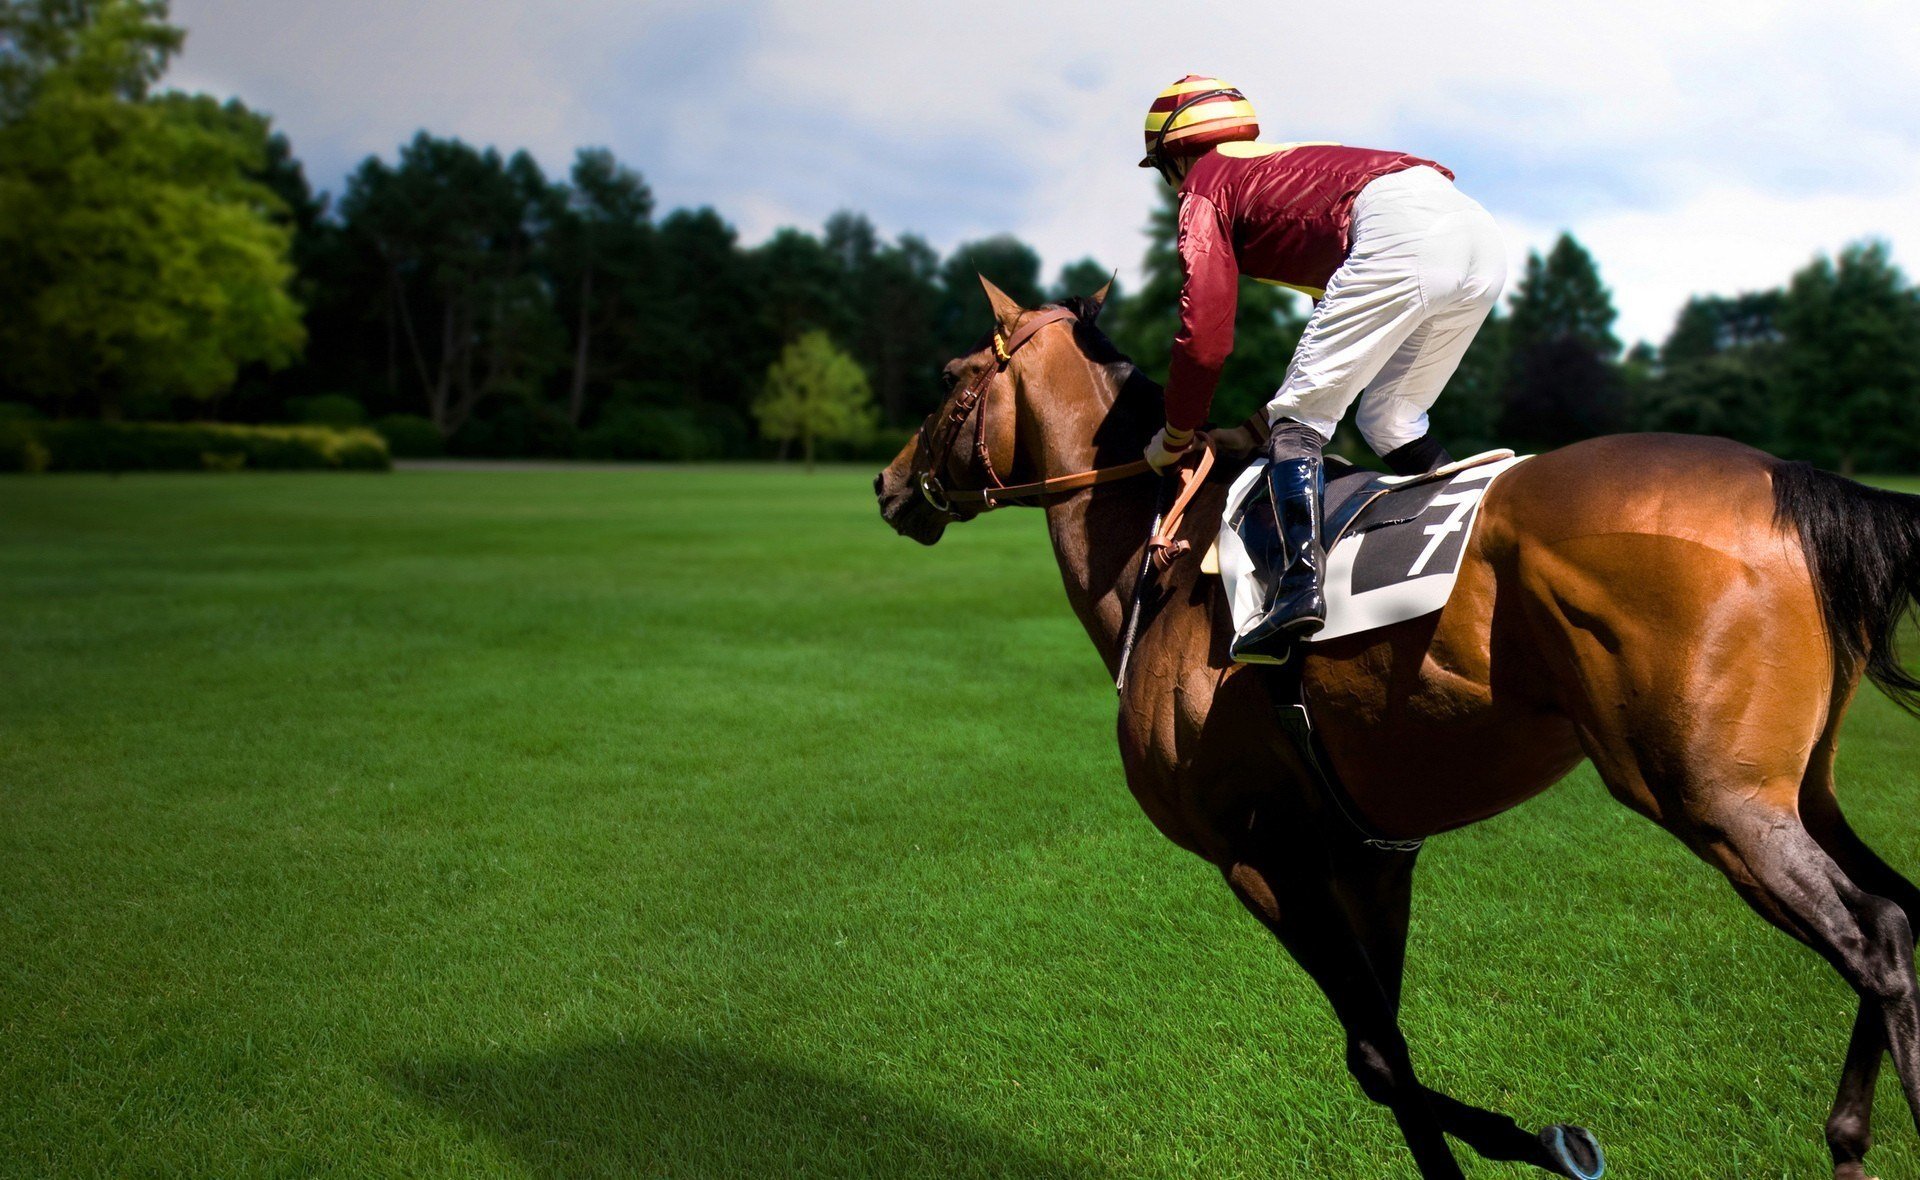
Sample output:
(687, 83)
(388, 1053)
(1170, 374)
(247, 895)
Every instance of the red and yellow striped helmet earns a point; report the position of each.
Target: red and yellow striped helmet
(1194, 114)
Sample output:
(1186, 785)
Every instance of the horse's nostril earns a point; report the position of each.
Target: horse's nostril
(880, 484)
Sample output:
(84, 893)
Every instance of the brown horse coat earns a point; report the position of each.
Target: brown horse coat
(1647, 602)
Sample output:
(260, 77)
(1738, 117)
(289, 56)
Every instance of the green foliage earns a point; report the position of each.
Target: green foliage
(895, 297)
(1724, 394)
(446, 241)
(671, 433)
(139, 256)
(116, 48)
(1084, 277)
(814, 393)
(20, 447)
(1562, 385)
(515, 422)
(82, 445)
(1560, 297)
(1850, 357)
(599, 249)
(411, 436)
(961, 316)
(328, 409)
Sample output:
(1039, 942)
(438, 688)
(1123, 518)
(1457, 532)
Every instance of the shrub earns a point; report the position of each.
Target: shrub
(328, 409)
(652, 432)
(20, 448)
(194, 446)
(410, 436)
(514, 425)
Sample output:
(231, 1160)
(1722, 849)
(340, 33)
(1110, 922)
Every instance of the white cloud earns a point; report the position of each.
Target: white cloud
(1692, 146)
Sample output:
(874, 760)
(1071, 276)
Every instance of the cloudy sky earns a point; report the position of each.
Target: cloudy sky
(1694, 145)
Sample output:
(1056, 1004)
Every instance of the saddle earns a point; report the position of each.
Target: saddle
(1358, 500)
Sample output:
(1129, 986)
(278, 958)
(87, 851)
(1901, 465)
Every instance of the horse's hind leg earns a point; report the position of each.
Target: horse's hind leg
(1790, 879)
(1850, 1125)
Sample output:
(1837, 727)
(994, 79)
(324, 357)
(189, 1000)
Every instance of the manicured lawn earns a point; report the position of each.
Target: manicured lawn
(690, 824)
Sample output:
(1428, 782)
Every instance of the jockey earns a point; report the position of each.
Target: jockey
(1403, 269)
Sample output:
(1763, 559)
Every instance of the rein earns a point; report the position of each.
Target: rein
(1163, 547)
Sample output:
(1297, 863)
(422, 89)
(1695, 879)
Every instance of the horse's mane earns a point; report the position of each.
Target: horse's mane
(1138, 400)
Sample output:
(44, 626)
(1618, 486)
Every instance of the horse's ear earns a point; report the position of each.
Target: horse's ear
(1100, 296)
(1005, 310)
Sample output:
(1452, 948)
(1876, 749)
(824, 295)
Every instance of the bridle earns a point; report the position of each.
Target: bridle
(939, 441)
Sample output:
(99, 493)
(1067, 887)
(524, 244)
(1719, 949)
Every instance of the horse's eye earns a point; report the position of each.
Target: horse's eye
(949, 378)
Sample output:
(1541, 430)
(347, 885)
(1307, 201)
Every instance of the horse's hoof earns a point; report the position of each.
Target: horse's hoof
(1574, 1151)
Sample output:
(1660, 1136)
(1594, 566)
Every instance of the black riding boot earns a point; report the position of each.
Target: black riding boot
(1280, 527)
(1418, 457)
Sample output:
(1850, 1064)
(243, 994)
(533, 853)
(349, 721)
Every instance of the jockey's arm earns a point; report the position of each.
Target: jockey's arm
(1208, 303)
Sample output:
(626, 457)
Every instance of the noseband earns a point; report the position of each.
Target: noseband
(941, 439)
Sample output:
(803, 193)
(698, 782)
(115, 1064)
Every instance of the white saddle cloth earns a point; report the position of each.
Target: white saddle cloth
(1380, 576)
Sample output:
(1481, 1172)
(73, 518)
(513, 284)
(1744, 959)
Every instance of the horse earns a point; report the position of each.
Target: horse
(1691, 615)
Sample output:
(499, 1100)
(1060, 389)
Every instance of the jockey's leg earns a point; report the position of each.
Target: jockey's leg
(1372, 303)
(1462, 267)
(1279, 527)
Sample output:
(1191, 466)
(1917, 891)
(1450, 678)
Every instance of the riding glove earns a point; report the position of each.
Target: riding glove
(1167, 447)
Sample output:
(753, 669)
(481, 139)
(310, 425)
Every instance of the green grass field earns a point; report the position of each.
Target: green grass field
(690, 824)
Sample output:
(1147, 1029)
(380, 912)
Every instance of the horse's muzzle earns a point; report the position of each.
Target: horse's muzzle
(906, 509)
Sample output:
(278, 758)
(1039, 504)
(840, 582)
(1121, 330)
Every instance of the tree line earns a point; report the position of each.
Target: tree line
(163, 256)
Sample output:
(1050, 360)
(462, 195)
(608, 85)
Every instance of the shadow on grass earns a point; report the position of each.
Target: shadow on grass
(660, 1107)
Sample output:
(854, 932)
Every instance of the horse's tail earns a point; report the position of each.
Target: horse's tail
(1863, 549)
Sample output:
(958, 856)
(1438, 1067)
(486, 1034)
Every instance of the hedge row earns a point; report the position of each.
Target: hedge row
(191, 446)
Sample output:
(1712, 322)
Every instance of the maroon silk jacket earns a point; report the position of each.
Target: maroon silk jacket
(1277, 213)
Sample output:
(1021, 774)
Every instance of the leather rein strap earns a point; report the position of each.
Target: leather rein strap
(1163, 546)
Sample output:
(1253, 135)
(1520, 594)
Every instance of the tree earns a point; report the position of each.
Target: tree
(704, 340)
(802, 286)
(905, 356)
(815, 392)
(452, 233)
(1850, 355)
(599, 246)
(1717, 373)
(1083, 277)
(1712, 325)
(888, 295)
(961, 319)
(1562, 386)
(111, 48)
(140, 256)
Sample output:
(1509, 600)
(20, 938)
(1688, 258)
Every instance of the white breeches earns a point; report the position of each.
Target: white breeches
(1427, 266)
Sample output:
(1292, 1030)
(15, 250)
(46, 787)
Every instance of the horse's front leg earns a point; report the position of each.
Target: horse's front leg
(1302, 911)
(1376, 889)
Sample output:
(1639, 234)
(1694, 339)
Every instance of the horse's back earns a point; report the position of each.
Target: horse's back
(1710, 491)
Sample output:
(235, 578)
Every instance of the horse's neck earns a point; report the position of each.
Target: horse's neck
(1099, 535)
